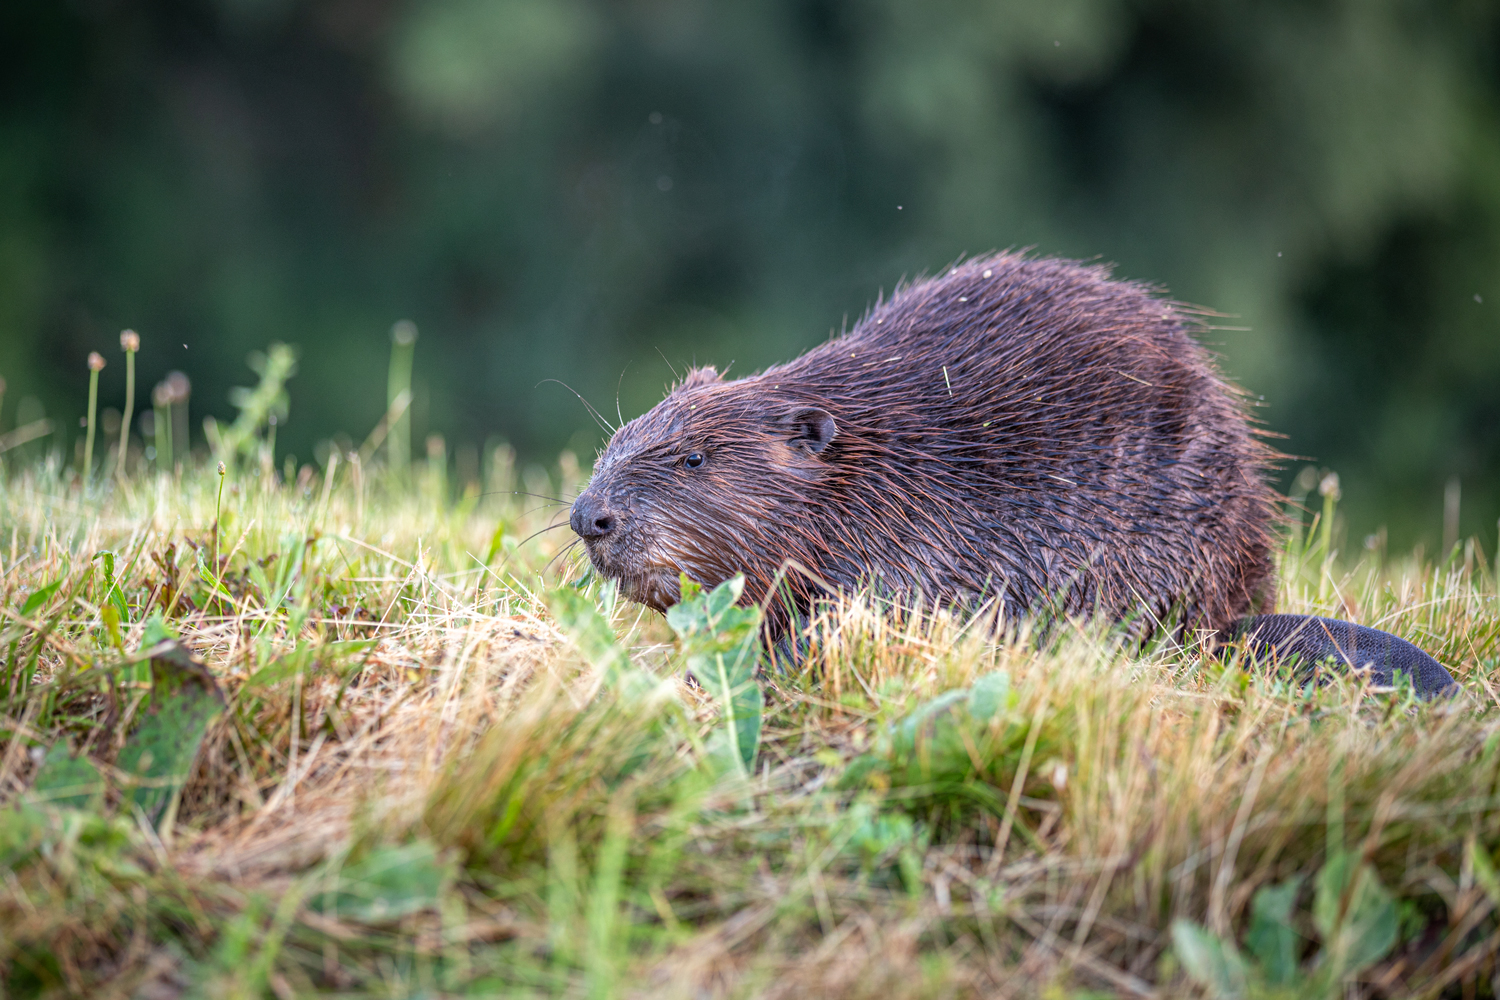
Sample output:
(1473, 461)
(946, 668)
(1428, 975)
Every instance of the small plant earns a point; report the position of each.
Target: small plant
(1355, 917)
(962, 750)
(720, 646)
(257, 406)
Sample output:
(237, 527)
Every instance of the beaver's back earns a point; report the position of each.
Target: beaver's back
(1033, 428)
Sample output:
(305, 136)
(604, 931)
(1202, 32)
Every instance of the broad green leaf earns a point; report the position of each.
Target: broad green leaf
(944, 744)
(990, 695)
(1213, 963)
(720, 643)
(590, 631)
(1484, 871)
(111, 616)
(1271, 938)
(388, 883)
(875, 836)
(159, 753)
(156, 632)
(1337, 870)
(23, 829)
(924, 721)
(66, 780)
(1369, 926)
(739, 699)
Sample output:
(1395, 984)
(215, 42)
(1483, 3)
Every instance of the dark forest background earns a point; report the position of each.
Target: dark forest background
(576, 189)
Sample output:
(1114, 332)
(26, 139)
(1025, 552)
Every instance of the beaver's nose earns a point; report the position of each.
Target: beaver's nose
(591, 518)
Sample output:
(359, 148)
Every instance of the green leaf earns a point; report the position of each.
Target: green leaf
(1271, 938)
(1213, 963)
(990, 695)
(66, 780)
(159, 752)
(876, 835)
(111, 616)
(1484, 871)
(929, 723)
(23, 829)
(40, 597)
(1368, 928)
(156, 632)
(388, 883)
(720, 644)
(733, 684)
(590, 632)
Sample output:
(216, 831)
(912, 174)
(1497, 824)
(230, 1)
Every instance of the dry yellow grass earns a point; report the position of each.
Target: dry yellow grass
(399, 696)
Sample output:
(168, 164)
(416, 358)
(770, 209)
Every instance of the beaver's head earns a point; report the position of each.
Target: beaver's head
(713, 481)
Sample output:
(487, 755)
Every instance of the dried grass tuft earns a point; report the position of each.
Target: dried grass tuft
(406, 724)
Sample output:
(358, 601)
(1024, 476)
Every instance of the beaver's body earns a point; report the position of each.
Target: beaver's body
(1015, 428)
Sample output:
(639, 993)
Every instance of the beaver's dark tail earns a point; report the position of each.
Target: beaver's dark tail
(1311, 640)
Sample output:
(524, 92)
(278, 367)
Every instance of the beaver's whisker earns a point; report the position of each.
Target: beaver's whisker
(620, 416)
(550, 527)
(598, 417)
(675, 377)
(561, 552)
(523, 493)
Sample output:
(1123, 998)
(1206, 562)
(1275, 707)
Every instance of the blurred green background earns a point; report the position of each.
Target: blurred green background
(586, 190)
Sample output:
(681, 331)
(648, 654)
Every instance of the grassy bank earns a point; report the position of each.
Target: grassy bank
(431, 764)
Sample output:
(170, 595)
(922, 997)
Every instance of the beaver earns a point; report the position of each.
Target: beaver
(1017, 429)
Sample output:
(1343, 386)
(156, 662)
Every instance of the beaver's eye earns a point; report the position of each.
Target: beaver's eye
(693, 461)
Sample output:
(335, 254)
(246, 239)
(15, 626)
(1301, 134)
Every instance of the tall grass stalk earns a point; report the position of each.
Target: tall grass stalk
(218, 521)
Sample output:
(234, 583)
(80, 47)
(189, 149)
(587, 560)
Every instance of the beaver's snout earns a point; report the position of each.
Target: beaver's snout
(592, 517)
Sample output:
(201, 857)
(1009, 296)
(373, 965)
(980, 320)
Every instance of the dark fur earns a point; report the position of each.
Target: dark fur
(1080, 452)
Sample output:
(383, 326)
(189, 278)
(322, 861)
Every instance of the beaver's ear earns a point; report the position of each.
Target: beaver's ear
(707, 375)
(810, 429)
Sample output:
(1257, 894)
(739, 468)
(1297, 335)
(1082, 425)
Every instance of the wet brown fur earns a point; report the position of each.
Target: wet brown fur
(1020, 428)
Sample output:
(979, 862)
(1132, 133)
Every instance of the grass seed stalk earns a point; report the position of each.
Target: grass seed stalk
(130, 343)
(96, 365)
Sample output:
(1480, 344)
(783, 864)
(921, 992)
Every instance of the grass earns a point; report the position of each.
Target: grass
(435, 772)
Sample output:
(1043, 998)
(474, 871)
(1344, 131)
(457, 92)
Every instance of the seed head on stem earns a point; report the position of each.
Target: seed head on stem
(218, 507)
(130, 342)
(96, 365)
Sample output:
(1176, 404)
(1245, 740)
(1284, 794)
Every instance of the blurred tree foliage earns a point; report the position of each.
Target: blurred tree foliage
(573, 189)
